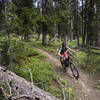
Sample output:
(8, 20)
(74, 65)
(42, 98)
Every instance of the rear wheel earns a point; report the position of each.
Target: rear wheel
(74, 70)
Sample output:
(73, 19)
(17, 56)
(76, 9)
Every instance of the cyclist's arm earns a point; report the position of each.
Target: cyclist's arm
(70, 50)
(58, 51)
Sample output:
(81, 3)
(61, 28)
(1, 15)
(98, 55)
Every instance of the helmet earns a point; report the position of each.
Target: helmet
(64, 44)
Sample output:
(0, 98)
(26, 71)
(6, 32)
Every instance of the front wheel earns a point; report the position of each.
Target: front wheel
(74, 70)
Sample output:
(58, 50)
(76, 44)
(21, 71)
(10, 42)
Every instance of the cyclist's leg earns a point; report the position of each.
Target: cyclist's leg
(67, 62)
(61, 60)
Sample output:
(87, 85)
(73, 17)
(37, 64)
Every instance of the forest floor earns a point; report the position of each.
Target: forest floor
(83, 87)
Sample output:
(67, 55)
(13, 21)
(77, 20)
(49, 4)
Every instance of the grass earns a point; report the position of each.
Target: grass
(80, 58)
(24, 57)
(52, 48)
(97, 85)
(54, 90)
(43, 73)
(88, 61)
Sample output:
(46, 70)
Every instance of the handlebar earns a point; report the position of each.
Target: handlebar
(69, 53)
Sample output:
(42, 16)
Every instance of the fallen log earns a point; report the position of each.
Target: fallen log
(23, 89)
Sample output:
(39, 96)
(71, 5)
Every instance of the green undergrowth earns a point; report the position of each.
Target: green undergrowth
(18, 54)
(97, 85)
(23, 58)
(88, 61)
(43, 74)
(41, 70)
(50, 47)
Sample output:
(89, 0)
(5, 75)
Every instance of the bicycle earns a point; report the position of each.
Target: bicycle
(68, 62)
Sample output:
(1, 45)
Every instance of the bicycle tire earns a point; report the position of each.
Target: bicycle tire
(74, 70)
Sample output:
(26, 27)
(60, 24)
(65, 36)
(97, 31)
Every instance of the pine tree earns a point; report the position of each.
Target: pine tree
(24, 11)
(2, 8)
(98, 22)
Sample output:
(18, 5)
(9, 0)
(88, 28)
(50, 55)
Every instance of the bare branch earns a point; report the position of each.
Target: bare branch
(54, 38)
(31, 77)
(60, 85)
(10, 89)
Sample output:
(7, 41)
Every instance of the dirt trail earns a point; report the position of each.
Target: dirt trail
(83, 87)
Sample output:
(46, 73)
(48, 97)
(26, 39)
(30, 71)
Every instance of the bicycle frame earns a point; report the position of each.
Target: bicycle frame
(71, 64)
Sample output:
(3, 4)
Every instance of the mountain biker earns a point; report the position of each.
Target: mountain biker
(64, 48)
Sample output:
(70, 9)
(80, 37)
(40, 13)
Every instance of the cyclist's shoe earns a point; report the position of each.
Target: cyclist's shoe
(76, 77)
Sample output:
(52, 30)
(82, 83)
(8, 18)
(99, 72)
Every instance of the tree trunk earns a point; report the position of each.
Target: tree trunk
(71, 30)
(8, 30)
(78, 22)
(44, 39)
(64, 37)
(59, 31)
(98, 36)
(78, 39)
(2, 9)
(98, 22)
(82, 19)
(85, 26)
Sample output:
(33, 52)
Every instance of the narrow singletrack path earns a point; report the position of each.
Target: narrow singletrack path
(83, 87)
